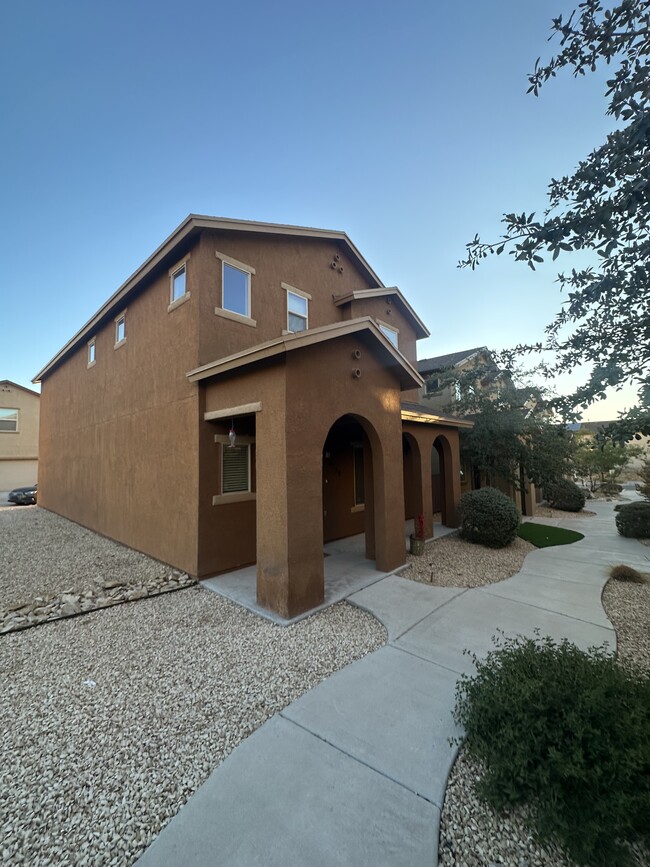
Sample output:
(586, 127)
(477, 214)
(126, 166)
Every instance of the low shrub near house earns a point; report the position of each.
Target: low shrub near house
(565, 495)
(610, 489)
(564, 732)
(633, 520)
(488, 517)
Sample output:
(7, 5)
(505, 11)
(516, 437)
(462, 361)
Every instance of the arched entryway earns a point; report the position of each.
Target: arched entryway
(442, 481)
(350, 453)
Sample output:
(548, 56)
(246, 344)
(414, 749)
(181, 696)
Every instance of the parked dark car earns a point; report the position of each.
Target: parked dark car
(24, 496)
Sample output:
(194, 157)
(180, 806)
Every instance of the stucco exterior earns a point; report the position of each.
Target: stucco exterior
(19, 423)
(134, 432)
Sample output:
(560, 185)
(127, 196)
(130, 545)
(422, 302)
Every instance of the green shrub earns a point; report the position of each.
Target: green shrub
(565, 495)
(566, 733)
(633, 520)
(610, 488)
(488, 517)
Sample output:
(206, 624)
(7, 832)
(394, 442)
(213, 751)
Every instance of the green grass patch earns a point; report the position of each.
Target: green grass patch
(543, 536)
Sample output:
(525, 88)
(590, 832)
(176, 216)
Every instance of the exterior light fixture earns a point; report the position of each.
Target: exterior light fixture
(232, 435)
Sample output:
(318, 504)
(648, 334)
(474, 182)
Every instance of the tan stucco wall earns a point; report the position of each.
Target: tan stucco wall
(24, 443)
(119, 440)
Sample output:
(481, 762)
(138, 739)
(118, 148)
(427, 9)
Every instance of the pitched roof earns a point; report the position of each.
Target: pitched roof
(418, 412)
(442, 362)
(421, 329)
(192, 225)
(21, 387)
(408, 375)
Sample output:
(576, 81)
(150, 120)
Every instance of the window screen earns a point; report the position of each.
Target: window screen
(235, 475)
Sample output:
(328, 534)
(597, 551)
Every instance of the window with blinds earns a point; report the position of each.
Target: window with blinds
(9, 420)
(235, 469)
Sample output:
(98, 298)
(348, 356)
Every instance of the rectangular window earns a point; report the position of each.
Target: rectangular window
(8, 420)
(359, 479)
(236, 290)
(235, 469)
(120, 329)
(390, 333)
(91, 352)
(178, 284)
(297, 312)
(432, 386)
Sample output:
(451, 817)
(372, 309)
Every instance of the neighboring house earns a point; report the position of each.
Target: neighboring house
(282, 338)
(19, 412)
(440, 396)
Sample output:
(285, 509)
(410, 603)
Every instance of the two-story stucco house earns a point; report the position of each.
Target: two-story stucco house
(19, 414)
(280, 338)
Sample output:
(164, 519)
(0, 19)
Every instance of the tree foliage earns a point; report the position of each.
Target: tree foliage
(513, 427)
(602, 208)
(600, 462)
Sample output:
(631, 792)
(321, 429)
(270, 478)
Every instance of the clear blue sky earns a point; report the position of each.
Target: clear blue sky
(406, 125)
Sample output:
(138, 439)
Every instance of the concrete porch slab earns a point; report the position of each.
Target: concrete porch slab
(406, 738)
(311, 803)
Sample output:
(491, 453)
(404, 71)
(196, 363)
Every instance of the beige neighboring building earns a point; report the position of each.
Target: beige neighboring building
(19, 419)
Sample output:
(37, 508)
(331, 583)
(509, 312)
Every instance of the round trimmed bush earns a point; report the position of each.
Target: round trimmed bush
(565, 495)
(633, 520)
(488, 517)
(610, 488)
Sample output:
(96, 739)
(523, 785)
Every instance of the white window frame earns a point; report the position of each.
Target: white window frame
(120, 341)
(92, 352)
(291, 290)
(173, 272)
(245, 319)
(384, 327)
(17, 411)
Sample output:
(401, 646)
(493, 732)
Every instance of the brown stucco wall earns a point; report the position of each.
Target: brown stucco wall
(119, 439)
(303, 263)
(303, 394)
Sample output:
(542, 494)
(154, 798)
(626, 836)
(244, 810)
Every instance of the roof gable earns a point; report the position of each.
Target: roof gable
(21, 387)
(443, 362)
(361, 294)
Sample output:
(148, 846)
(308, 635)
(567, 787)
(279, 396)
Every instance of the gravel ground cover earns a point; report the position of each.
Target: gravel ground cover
(547, 512)
(112, 720)
(471, 834)
(43, 554)
(453, 562)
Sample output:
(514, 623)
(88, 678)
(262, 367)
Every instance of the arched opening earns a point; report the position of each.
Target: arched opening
(412, 470)
(442, 488)
(348, 486)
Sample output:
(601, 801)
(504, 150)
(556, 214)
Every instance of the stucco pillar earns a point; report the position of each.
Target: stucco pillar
(390, 546)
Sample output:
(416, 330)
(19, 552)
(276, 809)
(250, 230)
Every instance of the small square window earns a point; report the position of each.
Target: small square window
(91, 352)
(178, 284)
(297, 312)
(390, 333)
(120, 329)
(236, 290)
(235, 469)
(8, 420)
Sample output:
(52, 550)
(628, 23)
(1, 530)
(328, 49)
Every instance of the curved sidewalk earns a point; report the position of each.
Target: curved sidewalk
(354, 772)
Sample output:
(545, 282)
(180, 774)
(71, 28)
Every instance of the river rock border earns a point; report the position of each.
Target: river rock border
(70, 604)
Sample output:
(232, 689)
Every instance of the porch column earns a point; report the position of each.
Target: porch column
(388, 478)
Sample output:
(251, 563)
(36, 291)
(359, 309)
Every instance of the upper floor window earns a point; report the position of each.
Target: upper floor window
(8, 420)
(390, 333)
(178, 287)
(235, 290)
(297, 311)
(92, 352)
(120, 329)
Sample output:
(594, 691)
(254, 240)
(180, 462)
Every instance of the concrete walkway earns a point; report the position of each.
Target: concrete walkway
(354, 772)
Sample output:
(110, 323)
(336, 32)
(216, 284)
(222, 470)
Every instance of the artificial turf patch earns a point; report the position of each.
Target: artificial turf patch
(543, 536)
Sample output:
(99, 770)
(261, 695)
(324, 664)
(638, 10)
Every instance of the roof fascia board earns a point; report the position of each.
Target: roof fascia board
(360, 294)
(282, 345)
(425, 418)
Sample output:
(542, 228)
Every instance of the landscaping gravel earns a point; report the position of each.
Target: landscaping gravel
(43, 554)
(453, 562)
(628, 607)
(112, 720)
